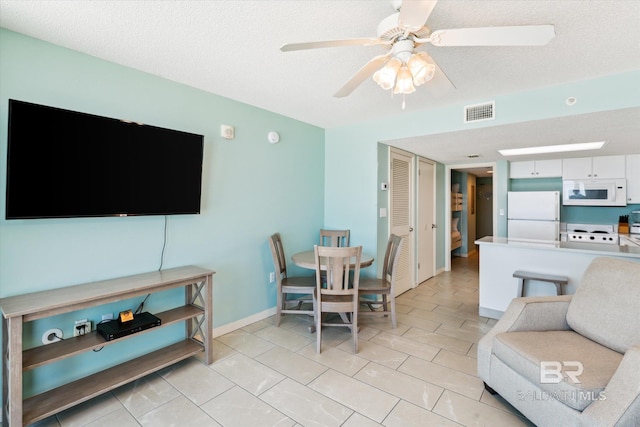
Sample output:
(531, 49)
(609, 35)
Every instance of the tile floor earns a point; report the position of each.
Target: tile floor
(423, 373)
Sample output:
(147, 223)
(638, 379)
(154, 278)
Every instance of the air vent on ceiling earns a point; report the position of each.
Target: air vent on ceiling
(479, 112)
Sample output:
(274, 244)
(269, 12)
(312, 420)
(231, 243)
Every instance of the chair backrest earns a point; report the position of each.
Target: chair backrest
(338, 264)
(277, 252)
(391, 258)
(604, 307)
(334, 238)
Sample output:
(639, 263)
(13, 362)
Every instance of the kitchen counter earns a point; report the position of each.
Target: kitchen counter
(592, 248)
(630, 240)
(500, 258)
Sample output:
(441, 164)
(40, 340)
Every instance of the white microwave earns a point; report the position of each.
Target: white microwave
(596, 192)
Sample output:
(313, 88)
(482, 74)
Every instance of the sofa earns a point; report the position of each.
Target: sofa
(571, 360)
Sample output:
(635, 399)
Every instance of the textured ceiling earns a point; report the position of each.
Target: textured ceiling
(231, 48)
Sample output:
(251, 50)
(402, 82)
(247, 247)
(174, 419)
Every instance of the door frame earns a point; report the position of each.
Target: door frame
(447, 196)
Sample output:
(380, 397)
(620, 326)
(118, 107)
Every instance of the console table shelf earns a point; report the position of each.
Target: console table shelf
(48, 403)
(195, 311)
(45, 354)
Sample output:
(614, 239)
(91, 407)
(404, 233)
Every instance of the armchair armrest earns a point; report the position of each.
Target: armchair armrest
(620, 401)
(525, 314)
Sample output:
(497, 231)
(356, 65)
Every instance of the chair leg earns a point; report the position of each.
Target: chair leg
(354, 330)
(394, 322)
(279, 303)
(318, 333)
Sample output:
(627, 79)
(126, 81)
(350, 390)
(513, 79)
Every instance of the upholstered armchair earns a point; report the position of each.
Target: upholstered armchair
(571, 360)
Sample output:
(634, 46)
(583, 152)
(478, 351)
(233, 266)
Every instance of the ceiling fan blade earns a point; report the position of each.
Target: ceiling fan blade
(363, 73)
(370, 41)
(527, 35)
(440, 78)
(414, 13)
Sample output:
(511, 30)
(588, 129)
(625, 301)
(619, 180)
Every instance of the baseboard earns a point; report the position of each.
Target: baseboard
(238, 324)
(490, 313)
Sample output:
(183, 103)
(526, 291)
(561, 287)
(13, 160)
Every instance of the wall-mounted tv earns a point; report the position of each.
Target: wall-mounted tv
(63, 164)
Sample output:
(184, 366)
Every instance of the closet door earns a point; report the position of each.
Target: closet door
(426, 220)
(401, 214)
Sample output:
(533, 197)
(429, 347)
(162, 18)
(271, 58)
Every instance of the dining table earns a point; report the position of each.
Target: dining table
(306, 259)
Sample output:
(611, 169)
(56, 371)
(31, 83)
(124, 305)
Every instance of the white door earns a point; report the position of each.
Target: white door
(426, 220)
(401, 218)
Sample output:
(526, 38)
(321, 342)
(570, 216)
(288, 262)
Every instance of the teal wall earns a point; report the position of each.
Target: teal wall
(250, 190)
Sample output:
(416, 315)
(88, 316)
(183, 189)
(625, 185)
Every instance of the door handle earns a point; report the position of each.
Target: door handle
(410, 229)
(434, 226)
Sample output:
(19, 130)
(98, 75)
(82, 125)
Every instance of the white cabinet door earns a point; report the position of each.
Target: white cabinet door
(594, 167)
(608, 167)
(522, 169)
(633, 178)
(548, 168)
(536, 169)
(579, 168)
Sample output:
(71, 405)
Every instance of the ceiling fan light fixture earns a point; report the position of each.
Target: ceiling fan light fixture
(421, 69)
(404, 82)
(386, 76)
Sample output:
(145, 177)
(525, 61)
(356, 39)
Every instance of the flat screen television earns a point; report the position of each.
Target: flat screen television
(63, 164)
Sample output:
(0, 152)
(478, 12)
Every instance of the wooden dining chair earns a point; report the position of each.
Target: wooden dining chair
(385, 286)
(334, 238)
(338, 294)
(299, 288)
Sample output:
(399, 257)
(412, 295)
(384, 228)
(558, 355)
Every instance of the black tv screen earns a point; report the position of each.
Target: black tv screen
(63, 163)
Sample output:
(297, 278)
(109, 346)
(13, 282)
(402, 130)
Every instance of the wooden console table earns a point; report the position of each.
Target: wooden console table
(196, 313)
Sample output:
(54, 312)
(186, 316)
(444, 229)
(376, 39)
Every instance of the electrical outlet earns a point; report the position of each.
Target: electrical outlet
(272, 277)
(81, 327)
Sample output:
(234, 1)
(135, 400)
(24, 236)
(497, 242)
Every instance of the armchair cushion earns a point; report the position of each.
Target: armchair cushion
(524, 351)
(604, 307)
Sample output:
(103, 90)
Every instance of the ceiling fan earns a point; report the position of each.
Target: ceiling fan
(402, 67)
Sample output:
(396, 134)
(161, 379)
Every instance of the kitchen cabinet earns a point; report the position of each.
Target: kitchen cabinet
(536, 169)
(633, 178)
(594, 167)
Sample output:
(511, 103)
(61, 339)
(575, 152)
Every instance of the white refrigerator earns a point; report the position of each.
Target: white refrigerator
(533, 216)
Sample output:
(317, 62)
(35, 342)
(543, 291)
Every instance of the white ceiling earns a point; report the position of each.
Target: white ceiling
(231, 48)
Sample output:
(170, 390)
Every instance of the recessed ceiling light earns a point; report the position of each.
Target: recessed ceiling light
(553, 148)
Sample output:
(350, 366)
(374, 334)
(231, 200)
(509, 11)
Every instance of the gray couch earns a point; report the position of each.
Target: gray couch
(571, 360)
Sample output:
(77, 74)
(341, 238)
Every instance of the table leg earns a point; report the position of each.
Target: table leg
(12, 372)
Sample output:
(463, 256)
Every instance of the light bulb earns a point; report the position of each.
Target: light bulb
(404, 82)
(386, 76)
(421, 69)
